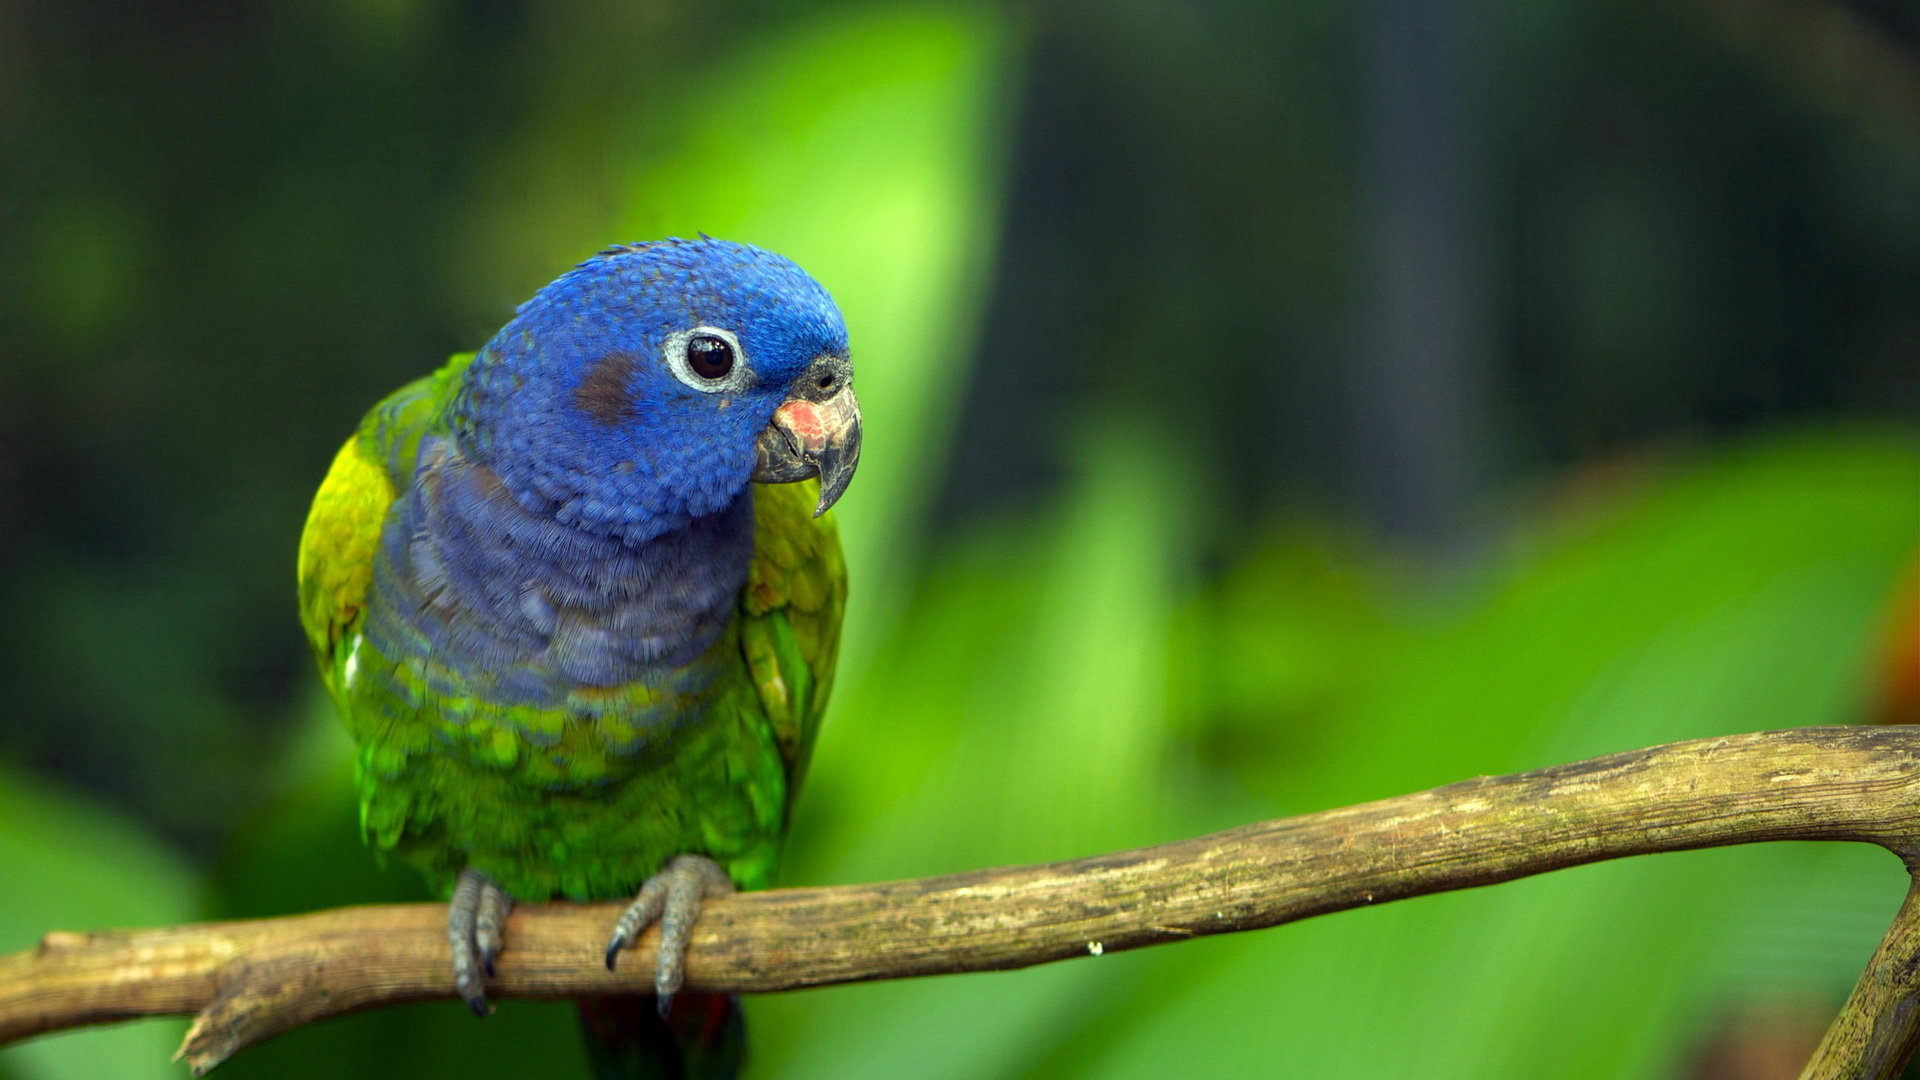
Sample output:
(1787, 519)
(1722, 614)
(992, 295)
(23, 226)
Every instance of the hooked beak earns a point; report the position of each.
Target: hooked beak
(815, 432)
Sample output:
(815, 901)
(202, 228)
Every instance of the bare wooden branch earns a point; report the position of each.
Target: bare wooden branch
(1877, 1028)
(250, 980)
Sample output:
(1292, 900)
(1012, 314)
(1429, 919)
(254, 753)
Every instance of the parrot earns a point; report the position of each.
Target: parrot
(577, 598)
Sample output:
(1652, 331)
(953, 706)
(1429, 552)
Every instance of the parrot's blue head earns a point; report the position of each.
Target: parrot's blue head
(652, 383)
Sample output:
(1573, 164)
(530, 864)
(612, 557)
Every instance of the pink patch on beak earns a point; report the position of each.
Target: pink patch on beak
(803, 419)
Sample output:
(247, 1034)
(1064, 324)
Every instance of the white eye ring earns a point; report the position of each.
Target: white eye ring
(731, 383)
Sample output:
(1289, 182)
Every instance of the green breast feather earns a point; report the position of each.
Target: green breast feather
(572, 801)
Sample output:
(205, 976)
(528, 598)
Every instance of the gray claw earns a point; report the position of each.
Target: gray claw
(476, 919)
(672, 897)
(645, 908)
(490, 924)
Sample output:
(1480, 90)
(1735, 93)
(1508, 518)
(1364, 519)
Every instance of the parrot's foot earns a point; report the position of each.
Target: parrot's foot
(476, 919)
(672, 896)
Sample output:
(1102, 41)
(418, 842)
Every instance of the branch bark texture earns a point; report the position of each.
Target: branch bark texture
(249, 980)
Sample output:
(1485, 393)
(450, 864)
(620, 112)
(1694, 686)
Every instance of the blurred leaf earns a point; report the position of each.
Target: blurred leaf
(66, 865)
(1263, 663)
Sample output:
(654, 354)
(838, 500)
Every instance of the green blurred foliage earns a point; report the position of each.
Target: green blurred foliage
(1100, 266)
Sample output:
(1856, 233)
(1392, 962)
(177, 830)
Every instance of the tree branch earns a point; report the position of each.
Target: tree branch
(250, 980)
(1874, 1034)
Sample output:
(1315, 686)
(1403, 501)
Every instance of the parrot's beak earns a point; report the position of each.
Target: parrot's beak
(815, 432)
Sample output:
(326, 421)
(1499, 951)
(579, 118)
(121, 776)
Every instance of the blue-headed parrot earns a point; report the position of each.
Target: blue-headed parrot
(578, 600)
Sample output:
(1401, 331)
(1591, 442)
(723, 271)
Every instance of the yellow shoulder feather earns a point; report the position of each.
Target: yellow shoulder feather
(337, 549)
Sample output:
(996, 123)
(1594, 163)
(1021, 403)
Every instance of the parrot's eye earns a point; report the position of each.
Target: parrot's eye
(710, 357)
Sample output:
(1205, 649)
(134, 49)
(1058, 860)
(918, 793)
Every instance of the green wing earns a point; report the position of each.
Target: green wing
(343, 529)
(791, 612)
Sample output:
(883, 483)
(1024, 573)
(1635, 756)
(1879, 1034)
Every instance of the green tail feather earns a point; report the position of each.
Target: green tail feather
(704, 1037)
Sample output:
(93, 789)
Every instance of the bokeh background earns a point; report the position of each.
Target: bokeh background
(1271, 407)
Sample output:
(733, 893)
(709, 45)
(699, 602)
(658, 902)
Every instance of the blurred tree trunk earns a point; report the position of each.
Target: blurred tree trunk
(1421, 340)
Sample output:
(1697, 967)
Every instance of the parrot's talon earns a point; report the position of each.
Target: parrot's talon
(671, 897)
(490, 923)
(664, 1003)
(476, 923)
